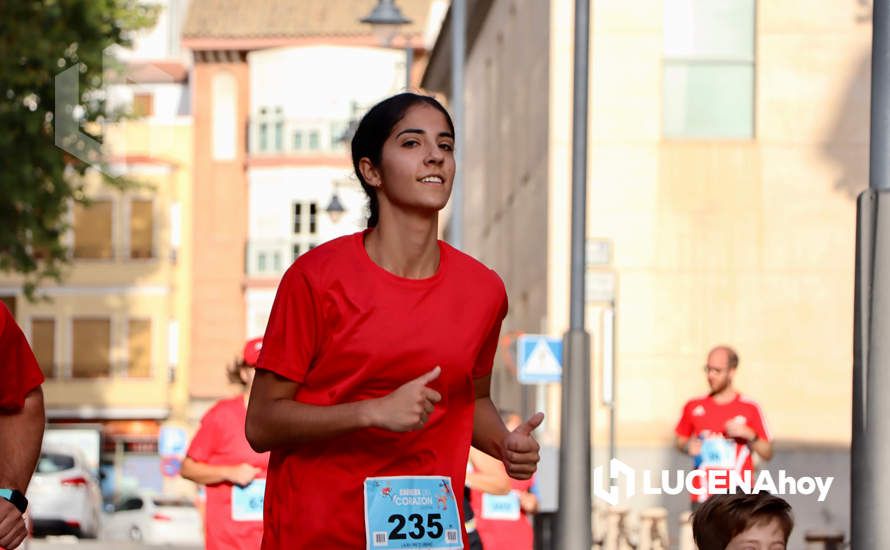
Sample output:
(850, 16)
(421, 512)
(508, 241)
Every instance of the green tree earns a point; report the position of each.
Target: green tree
(39, 39)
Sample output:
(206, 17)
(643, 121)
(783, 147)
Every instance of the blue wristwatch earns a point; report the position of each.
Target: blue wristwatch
(16, 498)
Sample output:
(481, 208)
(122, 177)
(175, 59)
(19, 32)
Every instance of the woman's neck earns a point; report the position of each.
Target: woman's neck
(406, 247)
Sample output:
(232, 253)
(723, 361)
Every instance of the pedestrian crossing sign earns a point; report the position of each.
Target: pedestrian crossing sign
(540, 359)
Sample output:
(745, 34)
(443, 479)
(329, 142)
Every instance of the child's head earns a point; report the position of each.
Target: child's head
(743, 522)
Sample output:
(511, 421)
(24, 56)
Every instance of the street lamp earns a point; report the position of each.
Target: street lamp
(385, 20)
(335, 208)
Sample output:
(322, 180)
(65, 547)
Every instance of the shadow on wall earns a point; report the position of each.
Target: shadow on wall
(846, 145)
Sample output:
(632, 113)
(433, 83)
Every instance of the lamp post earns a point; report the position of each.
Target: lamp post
(870, 492)
(574, 521)
(385, 20)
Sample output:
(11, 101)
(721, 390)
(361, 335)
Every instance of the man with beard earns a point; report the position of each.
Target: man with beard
(722, 429)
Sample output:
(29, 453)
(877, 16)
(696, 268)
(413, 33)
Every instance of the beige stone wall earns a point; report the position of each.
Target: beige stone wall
(505, 165)
(746, 242)
(117, 391)
(155, 289)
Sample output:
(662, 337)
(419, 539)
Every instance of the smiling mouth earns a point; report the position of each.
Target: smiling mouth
(433, 180)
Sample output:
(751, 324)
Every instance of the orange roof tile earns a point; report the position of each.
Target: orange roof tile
(241, 19)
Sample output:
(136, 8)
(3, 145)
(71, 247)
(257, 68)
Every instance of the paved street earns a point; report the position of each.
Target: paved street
(68, 543)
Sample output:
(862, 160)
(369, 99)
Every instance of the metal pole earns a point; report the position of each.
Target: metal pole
(870, 497)
(409, 61)
(879, 153)
(458, 37)
(574, 521)
(608, 345)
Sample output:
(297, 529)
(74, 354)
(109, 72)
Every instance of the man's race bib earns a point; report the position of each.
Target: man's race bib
(247, 502)
(411, 512)
(501, 506)
(717, 453)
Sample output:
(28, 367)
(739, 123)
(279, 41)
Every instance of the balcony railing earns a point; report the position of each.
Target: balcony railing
(271, 257)
(271, 134)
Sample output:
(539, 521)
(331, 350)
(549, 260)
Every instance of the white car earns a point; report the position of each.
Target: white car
(64, 496)
(155, 519)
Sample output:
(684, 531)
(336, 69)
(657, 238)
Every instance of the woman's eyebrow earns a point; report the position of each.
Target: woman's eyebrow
(419, 131)
(411, 131)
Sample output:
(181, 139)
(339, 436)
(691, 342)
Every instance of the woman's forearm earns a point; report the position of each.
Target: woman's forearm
(282, 422)
(488, 428)
(205, 474)
(21, 435)
(276, 419)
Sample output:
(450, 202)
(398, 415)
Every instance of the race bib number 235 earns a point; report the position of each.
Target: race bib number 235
(411, 512)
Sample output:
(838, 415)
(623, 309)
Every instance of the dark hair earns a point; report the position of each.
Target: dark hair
(372, 132)
(722, 517)
(233, 371)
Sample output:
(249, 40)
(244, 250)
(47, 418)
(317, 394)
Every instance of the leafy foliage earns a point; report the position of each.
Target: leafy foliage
(39, 182)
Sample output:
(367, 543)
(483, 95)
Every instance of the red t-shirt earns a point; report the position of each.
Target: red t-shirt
(501, 533)
(221, 441)
(705, 418)
(19, 371)
(347, 330)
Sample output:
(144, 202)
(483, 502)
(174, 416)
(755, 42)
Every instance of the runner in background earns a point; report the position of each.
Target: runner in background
(502, 505)
(220, 458)
(484, 473)
(721, 430)
(21, 427)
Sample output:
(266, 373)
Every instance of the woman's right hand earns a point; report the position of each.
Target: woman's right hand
(408, 407)
(243, 474)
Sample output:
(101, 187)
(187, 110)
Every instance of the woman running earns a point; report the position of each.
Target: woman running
(375, 373)
(220, 458)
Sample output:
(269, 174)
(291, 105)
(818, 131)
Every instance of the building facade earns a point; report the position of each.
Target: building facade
(110, 338)
(727, 143)
(299, 155)
(276, 96)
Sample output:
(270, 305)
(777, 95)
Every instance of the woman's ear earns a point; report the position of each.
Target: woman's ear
(370, 173)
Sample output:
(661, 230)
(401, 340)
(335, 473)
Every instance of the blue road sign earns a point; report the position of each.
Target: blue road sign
(172, 441)
(540, 359)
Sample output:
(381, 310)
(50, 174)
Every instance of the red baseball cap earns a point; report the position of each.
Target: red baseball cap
(251, 352)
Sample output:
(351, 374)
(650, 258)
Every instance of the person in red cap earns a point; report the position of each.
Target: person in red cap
(21, 427)
(220, 458)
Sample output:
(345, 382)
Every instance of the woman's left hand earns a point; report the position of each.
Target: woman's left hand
(521, 450)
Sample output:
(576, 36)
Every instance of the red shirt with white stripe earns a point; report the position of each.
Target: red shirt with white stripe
(705, 418)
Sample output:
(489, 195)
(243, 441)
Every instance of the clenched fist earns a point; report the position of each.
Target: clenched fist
(408, 407)
(12, 525)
